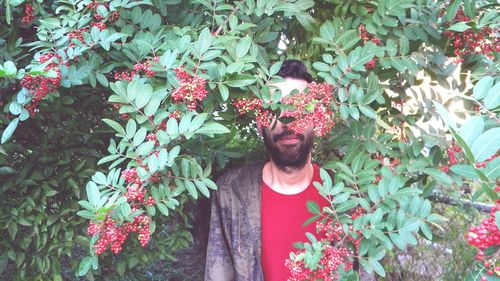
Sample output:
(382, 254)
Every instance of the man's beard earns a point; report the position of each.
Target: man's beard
(288, 156)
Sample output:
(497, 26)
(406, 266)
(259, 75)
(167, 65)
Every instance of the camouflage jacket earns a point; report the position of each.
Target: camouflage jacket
(234, 240)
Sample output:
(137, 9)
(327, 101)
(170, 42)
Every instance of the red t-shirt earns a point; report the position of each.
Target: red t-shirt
(282, 217)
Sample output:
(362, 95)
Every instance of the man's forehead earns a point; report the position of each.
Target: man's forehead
(290, 84)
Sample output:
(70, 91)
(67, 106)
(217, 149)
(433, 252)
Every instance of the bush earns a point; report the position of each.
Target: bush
(171, 73)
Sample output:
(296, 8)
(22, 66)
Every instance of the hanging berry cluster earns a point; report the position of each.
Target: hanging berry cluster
(112, 232)
(455, 156)
(367, 37)
(29, 15)
(313, 106)
(100, 21)
(452, 153)
(113, 235)
(191, 89)
(484, 236)
(40, 86)
(484, 41)
(338, 250)
(138, 67)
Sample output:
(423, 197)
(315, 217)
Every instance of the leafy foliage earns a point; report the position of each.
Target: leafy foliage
(62, 64)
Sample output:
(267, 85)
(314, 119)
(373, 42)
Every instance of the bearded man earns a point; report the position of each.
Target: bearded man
(259, 210)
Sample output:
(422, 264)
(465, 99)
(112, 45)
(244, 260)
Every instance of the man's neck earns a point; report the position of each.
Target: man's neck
(288, 180)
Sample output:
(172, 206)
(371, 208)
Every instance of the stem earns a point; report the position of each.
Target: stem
(236, 8)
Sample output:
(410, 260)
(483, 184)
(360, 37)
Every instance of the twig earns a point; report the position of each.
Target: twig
(482, 207)
(236, 8)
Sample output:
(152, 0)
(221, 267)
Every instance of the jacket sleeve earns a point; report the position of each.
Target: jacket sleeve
(219, 262)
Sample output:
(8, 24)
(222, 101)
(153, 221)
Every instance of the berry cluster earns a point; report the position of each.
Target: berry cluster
(491, 265)
(487, 234)
(484, 236)
(367, 37)
(313, 106)
(191, 89)
(176, 114)
(452, 153)
(129, 75)
(455, 156)
(484, 41)
(130, 176)
(117, 106)
(263, 116)
(152, 137)
(40, 86)
(336, 252)
(144, 67)
(99, 24)
(29, 16)
(100, 20)
(112, 234)
(333, 257)
(77, 35)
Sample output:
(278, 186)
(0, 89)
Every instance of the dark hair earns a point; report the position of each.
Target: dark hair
(295, 69)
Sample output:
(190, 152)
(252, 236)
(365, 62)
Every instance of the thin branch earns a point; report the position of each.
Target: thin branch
(236, 8)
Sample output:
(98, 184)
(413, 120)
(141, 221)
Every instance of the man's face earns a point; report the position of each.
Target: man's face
(288, 149)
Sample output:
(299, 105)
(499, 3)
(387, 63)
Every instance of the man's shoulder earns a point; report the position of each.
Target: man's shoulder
(240, 175)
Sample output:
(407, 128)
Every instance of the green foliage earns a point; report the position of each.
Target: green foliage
(52, 187)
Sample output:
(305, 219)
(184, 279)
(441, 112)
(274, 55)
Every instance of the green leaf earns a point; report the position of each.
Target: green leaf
(10, 69)
(115, 125)
(12, 228)
(7, 133)
(452, 9)
(379, 269)
(204, 41)
(185, 122)
(444, 115)
(471, 129)
(143, 97)
(492, 100)
(243, 46)
(486, 145)
(145, 148)
(404, 45)
(198, 120)
(93, 194)
(224, 92)
(212, 128)
(368, 111)
(313, 207)
(163, 209)
(346, 206)
(85, 265)
(482, 87)
(134, 88)
(238, 83)
(191, 189)
(172, 128)
(202, 188)
(341, 198)
(140, 136)
(466, 171)
(438, 175)
(460, 26)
